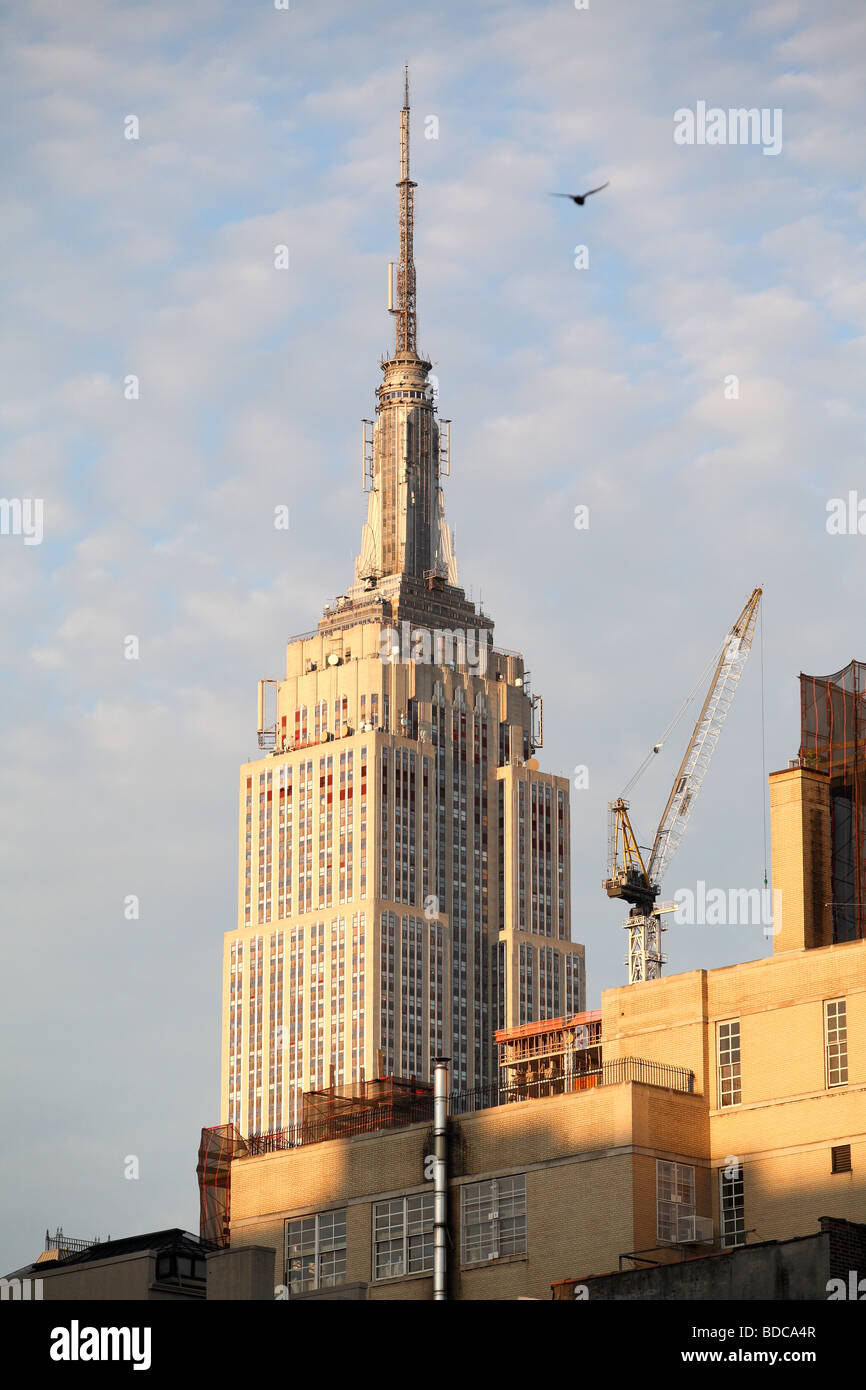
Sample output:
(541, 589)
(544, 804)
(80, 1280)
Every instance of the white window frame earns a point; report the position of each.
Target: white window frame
(502, 1203)
(729, 1073)
(320, 1247)
(415, 1213)
(732, 1209)
(675, 1197)
(835, 1043)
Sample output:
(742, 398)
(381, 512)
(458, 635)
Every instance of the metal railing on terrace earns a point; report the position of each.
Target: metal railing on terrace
(368, 1120)
(67, 1245)
(611, 1073)
(341, 1126)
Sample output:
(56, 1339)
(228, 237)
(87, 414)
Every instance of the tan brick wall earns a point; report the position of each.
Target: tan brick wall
(779, 1001)
(578, 1216)
(577, 1153)
(645, 1204)
(800, 831)
(590, 1156)
(663, 1020)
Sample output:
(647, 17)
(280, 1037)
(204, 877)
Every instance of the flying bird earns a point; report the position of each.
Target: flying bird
(580, 198)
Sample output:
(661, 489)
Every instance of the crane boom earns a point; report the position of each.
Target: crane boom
(693, 767)
(639, 881)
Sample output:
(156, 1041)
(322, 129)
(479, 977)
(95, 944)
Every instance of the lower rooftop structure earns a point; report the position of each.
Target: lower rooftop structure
(805, 1268)
(158, 1265)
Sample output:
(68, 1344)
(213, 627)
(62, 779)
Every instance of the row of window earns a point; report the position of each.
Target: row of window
(675, 1199)
(676, 1214)
(729, 1056)
(492, 1226)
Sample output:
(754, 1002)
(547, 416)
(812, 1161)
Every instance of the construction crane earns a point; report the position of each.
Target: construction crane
(630, 876)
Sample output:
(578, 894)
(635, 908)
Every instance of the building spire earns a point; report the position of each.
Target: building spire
(406, 324)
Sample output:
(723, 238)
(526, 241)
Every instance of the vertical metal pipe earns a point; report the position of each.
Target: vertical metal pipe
(440, 1177)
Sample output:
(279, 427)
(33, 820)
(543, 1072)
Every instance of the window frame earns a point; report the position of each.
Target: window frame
(682, 1177)
(512, 1188)
(320, 1248)
(730, 1085)
(732, 1213)
(405, 1237)
(839, 1063)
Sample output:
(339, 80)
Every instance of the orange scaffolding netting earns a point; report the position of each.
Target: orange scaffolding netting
(380, 1103)
(220, 1144)
(833, 740)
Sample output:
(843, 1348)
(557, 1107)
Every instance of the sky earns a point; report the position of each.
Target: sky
(606, 384)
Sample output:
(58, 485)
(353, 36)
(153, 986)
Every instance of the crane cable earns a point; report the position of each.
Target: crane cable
(763, 752)
(657, 747)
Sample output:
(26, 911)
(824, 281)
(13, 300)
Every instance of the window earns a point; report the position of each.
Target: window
(316, 1251)
(732, 1214)
(675, 1196)
(729, 1062)
(177, 1269)
(403, 1236)
(493, 1219)
(836, 1042)
(840, 1159)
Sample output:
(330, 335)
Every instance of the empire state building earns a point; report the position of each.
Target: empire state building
(403, 862)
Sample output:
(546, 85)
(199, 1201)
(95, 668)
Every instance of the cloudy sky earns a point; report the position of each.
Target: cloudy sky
(602, 386)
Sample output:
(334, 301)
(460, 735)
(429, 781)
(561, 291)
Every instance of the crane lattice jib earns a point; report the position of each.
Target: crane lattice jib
(693, 768)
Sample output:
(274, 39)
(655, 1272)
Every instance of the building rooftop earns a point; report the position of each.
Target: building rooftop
(173, 1239)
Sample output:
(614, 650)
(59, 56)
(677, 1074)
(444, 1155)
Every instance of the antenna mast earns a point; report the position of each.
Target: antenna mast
(406, 267)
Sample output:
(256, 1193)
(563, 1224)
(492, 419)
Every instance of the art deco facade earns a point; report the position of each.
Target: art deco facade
(404, 863)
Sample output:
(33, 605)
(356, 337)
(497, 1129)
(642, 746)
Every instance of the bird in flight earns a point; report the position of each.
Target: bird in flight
(580, 198)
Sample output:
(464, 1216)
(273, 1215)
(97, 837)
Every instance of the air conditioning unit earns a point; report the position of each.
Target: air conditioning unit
(694, 1230)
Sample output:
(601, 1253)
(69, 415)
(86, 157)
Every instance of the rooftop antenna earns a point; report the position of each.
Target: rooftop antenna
(406, 325)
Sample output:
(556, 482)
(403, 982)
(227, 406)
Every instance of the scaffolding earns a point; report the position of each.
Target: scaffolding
(833, 740)
(359, 1107)
(220, 1145)
(381, 1103)
(551, 1057)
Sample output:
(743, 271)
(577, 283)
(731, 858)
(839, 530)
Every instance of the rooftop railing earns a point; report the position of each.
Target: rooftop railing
(611, 1073)
(67, 1245)
(368, 1120)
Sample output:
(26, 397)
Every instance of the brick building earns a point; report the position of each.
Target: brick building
(714, 1108)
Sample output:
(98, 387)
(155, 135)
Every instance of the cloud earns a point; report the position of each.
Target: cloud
(602, 386)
